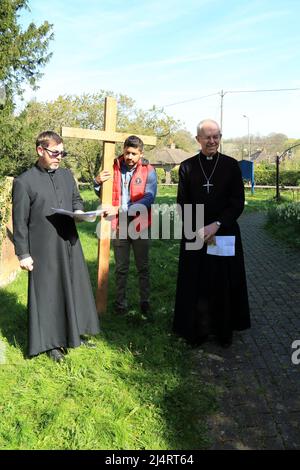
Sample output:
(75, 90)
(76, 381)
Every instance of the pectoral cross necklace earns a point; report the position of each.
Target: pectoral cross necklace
(208, 184)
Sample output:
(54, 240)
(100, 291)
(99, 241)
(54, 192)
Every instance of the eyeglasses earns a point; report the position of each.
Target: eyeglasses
(56, 153)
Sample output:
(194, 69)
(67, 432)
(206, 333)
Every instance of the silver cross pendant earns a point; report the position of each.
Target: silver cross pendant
(208, 184)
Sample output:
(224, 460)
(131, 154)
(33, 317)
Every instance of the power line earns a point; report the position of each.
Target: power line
(222, 93)
(258, 91)
(192, 99)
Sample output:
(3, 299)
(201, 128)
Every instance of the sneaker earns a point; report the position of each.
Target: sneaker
(56, 355)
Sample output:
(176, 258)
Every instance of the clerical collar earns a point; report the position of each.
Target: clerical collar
(210, 157)
(45, 170)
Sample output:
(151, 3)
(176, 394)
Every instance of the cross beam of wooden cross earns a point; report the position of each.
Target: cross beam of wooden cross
(110, 137)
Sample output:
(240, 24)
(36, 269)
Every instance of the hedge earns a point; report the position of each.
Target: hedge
(175, 174)
(161, 175)
(263, 175)
(267, 176)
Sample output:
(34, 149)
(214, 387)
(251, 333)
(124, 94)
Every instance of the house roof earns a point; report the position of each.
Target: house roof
(259, 156)
(167, 156)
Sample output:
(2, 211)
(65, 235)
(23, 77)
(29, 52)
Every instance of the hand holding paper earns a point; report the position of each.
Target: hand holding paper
(79, 215)
(224, 246)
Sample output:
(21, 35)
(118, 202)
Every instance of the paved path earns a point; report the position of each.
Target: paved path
(259, 386)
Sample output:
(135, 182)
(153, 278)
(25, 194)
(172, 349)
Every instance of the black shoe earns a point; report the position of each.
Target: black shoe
(56, 355)
(198, 341)
(225, 342)
(87, 343)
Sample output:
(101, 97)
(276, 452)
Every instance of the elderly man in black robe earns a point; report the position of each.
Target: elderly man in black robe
(211, 296)
(61, 307)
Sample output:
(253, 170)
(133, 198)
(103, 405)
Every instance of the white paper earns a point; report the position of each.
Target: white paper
(83, 215)
(225, 246)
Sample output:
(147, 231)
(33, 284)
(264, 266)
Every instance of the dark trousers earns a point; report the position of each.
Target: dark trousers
(122, 257)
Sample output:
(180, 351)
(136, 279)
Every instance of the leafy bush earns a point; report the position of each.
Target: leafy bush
(289, 177)
(175, 175)
(161, 176)
(266, 175)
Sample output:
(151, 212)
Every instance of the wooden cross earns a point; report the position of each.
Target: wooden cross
(110, 137)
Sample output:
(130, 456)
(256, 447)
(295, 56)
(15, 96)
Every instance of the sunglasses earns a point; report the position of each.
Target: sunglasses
(56, 153)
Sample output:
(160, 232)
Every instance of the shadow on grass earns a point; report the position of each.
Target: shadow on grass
(13, 320)
(162, 362)
(160, 372)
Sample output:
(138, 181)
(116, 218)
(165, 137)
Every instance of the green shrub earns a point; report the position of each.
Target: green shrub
(175, 175)
(161, 175)
(266, 175)
(289, 177)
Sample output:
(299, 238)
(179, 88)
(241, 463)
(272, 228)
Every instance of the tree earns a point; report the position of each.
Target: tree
(87, 111)
(185, 141)
(23, 53)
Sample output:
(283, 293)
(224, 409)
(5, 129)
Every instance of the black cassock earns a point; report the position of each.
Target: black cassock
(61, 305)
(211, 296)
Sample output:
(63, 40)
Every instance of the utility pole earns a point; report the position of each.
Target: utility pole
(249, 138)
(222, 94)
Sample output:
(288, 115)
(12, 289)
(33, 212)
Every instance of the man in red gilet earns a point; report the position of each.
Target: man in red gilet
(134, 188)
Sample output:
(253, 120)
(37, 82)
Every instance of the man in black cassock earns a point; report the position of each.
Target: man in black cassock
(211, 296)
(61, 305)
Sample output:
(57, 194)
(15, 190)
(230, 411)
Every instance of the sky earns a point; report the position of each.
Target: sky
(174, 53)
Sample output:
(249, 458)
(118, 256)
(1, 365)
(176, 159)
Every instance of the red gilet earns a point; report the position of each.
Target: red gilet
(136, 189)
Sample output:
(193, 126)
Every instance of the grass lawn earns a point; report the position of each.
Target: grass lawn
(262, 199)
(136, 390)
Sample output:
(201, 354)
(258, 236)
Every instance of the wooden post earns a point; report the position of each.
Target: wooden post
(110, 137)
(110, 121)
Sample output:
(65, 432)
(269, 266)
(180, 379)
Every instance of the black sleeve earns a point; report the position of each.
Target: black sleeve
(182, 191)
(21, 214)
(97, 188)
(236, 199)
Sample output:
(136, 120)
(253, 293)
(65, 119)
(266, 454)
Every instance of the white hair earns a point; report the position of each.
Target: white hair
(206, 121)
